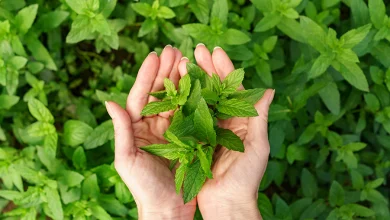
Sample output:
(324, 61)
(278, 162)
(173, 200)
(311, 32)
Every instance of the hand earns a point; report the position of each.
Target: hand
(232, 193)
(148, 177)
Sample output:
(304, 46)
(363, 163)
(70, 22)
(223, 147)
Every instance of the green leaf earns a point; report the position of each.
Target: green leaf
(220, 10)
(375, 183)
(309, 184)
(269, 21)
(99, 212)
(314, 210)
(100, 24)
(299, 206)
(40, 52)
(355, 36)
(372, 102)
(196, 73)
(232, 81)
(282, 211)
(17, 62)
(71, 178)
(204, 124)
(291, 13)
(347, 55)
(165, 12)
(330, 95)
(25, 18)
(54, 203)
(357, 180)
(171, 137)
(193, 181)
(320, 65)
(269, 44)
(141, 8)
(10, 195)
(292, 28)
(252, 96)
(82, 29)
(296, 153)
(265, 206)
(82, 6)
(235, 37)
(211, 97)
(229, 140)
(184, 89)
(159, 94)
(354, 75)
(169, 151)
(179, 175)
(39, 129)
(336, 194)
(181, 126)
(360, 13)
(100, 135)
(76, 132)
(39, 111)
(360, 210)
(205, 162)
(154, 108)
(79, 159)
(147, 26)
(122, 193)
(52, 20)
(315, 35)
(7, 101)
(235, 107)
(377, 12)
(170, 87)
(90, 187)
(201, 9)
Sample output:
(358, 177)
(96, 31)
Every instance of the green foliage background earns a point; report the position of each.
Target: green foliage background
(329, 125)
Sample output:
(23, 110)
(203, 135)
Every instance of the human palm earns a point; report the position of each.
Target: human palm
(236, 175)
(148, 177)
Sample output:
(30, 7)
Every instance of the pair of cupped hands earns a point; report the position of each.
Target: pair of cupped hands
(232, 193)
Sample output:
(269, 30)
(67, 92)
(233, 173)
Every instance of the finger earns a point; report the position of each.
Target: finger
(257, 137)
(174, 76)
(183, 66)
(167, 58)
(203, 58)
(138, 96)
(222, 63)
(124, 140)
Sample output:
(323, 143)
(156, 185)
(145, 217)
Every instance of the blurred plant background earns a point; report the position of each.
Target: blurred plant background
(329, 61)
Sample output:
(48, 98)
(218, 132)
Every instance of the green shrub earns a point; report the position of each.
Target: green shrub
(329, 126)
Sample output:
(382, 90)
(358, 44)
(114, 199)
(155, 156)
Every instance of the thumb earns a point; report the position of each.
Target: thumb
(124, 139)
(258, 126)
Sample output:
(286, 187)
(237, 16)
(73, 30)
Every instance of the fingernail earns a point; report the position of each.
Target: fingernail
(109, 109)
(153, 52)
(168, 45)
(184, 58)
(175, 48)
(271, 97)
(217, 48)
(200, 44)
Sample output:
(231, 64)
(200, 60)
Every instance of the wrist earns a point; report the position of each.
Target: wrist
(184, 212)
(231, 210)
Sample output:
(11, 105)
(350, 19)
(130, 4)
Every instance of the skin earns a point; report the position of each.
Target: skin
(232, 193)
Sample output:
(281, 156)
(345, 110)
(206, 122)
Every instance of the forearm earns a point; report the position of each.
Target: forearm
(232, 211)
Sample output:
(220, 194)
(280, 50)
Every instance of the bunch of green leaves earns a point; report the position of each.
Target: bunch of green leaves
(329, 135)
(200, 101)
